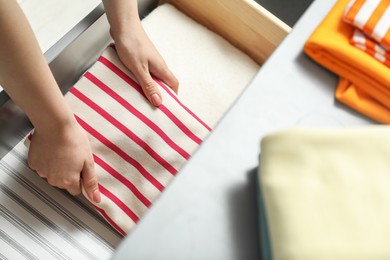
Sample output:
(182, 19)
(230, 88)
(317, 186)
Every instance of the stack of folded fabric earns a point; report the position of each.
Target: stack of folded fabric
(371, 18)
(326, 193)
(354, 41)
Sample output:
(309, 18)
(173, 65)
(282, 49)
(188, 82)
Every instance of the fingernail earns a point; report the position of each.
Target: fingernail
(96, 196)
(156, 100)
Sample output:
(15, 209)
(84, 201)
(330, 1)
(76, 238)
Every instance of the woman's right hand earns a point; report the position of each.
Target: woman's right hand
(63, 156)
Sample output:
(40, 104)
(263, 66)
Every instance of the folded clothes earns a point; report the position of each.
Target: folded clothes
(371, 47)
(326, 193)
(329, 46)
(359, 100)
(372, 17)
(137, 148)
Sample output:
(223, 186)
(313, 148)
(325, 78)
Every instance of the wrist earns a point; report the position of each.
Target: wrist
(55, 121)
(123, 30)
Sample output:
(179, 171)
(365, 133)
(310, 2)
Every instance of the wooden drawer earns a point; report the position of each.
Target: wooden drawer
(244, 23)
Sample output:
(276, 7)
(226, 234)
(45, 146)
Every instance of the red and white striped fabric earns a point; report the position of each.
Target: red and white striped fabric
(372, 17)
(137, 148)
(369, 46)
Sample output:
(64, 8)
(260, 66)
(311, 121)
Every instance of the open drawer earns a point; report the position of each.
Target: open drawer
(214, 48)
(244, 23)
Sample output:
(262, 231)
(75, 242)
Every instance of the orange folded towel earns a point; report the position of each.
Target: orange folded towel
(372, 17)
(329, 45)
(360, 101)
(371, 47)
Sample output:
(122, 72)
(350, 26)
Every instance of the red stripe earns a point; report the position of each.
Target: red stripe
(182, 105)
(125, 77)
(121, 153)
(123, 180)
(109, 220)
(124, 130)
(119, 203)
(180, 124)
(137, 113)
(135, 85)
(167, 112)
(121, 74)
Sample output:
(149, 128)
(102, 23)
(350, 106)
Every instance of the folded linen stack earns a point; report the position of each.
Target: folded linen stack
(372, 21)
(379, 52)
(336, 44)
(326, 193)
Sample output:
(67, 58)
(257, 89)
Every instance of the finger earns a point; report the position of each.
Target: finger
(166, 75)
(39, 174)
(149, 87)
(90, 181)
(72, 185)
(74, 188)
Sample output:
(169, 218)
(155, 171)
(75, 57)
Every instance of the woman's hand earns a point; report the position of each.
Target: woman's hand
(135, 49)
(64, 157)
(140, 56)
(59, 149)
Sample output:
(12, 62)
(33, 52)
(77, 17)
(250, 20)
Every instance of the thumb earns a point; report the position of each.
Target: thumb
(90, 181)
(149, 87)
(166, 75)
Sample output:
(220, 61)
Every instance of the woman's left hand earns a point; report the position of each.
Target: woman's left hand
(140, 56)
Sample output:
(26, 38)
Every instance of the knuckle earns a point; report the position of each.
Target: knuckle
(91, 183)
(74, 192)
(66, 183)
(31, 163)
(40, 174)
(89, 164)
(52, 181)
(149, 87)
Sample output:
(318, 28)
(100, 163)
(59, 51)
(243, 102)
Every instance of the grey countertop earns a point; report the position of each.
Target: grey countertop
(210, 211)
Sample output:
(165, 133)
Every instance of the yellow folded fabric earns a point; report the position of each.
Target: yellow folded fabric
(326, 193)
(329, 46)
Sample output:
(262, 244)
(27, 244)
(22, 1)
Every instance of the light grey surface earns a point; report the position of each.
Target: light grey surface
(208, 211)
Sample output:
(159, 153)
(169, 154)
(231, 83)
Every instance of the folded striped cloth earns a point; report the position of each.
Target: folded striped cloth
(372, 17)
(137, 148)
(326, 193)
(366, 44)
(364, 82)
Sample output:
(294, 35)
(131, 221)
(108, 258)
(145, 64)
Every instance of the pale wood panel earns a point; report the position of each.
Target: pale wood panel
(244, 23)
(52, 19)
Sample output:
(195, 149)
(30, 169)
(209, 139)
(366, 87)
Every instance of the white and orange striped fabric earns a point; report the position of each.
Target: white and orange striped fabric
(372, 17)
(137, 148)
(366, 44)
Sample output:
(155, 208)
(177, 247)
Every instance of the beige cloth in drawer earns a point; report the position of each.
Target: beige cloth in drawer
(212, 72)
(138, 148)
(327, 193)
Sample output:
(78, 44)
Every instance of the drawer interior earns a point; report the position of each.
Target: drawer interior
(214, 48)
(244, 23)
